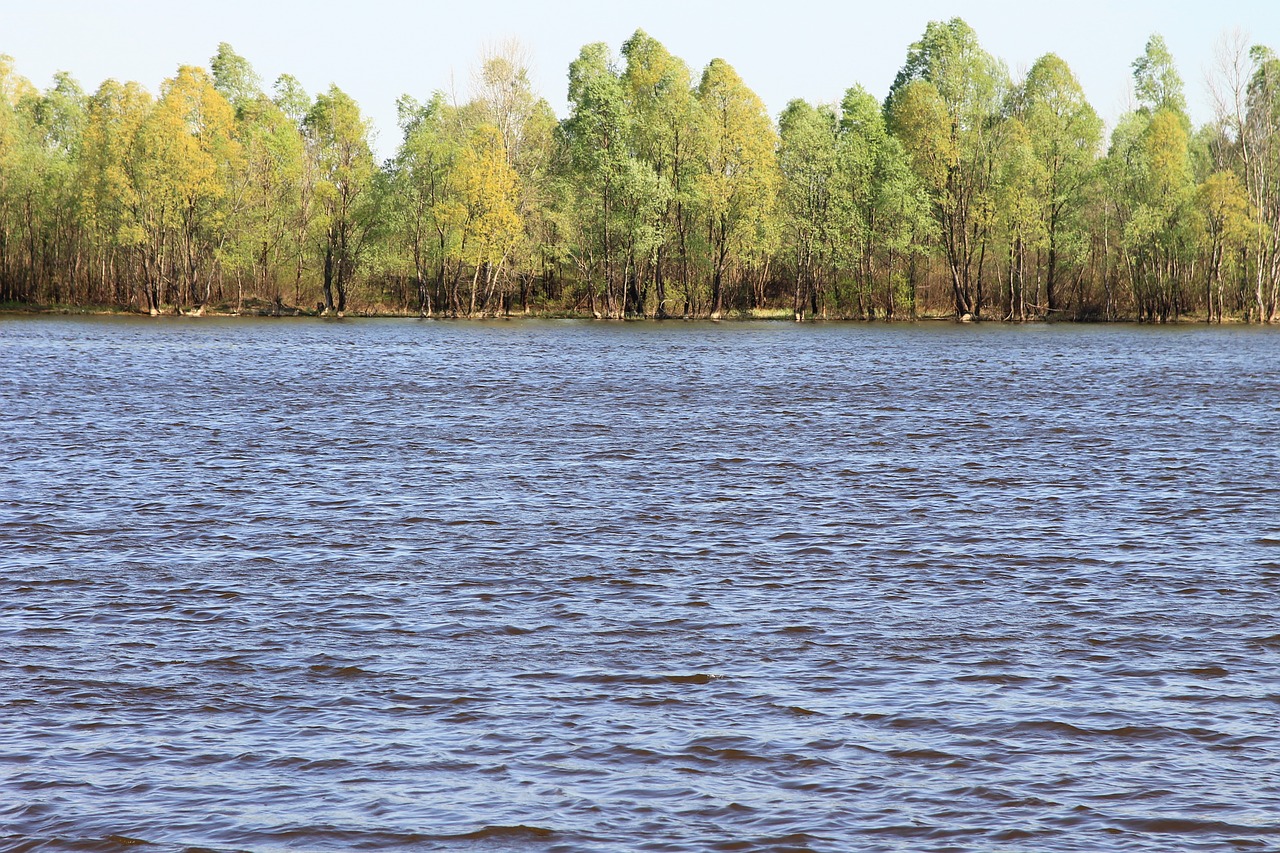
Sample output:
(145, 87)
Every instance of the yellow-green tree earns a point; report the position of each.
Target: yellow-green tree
(1064, 132)
(953, 122)
(188, 159)
(739, 185)
(17, 184)
(1020, 205)
(881, 214)
(597, 175)
(669, 139)
(111, 200)
(271, 193)
(1228, 227)
(424, 191)
(1159, 236)
(504, 98)
(340, 135)
(490, 197)
(807, 165)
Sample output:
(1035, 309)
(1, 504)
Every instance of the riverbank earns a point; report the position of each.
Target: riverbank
(754, 315)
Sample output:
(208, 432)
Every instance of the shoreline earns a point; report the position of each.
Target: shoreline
(765, 316)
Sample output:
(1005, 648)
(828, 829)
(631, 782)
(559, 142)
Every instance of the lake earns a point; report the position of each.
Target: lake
(278, 585)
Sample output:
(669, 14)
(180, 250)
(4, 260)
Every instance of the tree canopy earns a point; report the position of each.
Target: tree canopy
(666, 191)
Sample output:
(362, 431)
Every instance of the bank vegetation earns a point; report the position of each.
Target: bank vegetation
(664, 193)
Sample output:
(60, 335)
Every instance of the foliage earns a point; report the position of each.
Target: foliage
(663, 192)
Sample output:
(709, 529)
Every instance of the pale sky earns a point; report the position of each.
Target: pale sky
(377, 50)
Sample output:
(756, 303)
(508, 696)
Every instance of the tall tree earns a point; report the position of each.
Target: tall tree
(504, 98)
(596, 136)
(878, 205)
(191, 156)
(273, 176)
(1153, 180)
(1065, 133)
(669, 139)
(1228, 227)
(341, 138)
(19, 183)
(1261, 138)
(234, 77)
(741, 178)
(426, 187)
(110, 195)
(967, 85)
(807, 163)
(1156, 81)
(490, 195)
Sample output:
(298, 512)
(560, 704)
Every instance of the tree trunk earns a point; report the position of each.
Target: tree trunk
(328, 277)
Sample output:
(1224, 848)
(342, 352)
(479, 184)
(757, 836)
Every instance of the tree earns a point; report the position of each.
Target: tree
(504, 96)
(425, 184)
(668, 137)
(1021, 205)
(807, 163)
(1156, 81)
(49, 127)
(110, 197)
(1262, 171)
(946, 99)
(740, 180)
(878, 206)
(234, 77)
(294, 102)
(1155, 164)
(1064, 132)
(341, 138)
(1228, 227)
(599, 164)
(189, 157)
(19, 181)
(1151, 156)
(490, 193)
(273, 183)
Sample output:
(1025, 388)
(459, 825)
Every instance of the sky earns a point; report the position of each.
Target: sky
(377, 50)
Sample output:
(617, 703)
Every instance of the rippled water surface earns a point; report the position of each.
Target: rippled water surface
(388, 585)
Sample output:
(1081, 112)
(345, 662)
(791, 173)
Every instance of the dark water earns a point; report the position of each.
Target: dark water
(586, 587)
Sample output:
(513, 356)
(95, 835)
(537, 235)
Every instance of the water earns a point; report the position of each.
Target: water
(593, 587)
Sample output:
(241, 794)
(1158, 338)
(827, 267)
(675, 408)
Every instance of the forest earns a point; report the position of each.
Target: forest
(963, 193)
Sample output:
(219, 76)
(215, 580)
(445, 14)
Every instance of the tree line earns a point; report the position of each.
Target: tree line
(662, 193)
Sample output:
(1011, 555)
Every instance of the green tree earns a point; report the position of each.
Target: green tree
(1021, 205)
(739, 185)
(1260, 143)
(668, 138)
(807, 164)
(273, 173)
(879, 209)
(110, 197)
(340, 135)
(1065, 133)
(292, 99)
(1228, 228)
(490, 197)
(1156, 81)
(19, 182)
(49, 128)
(234, 77)
(945, 102)
(600, 167)
(425, 186)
